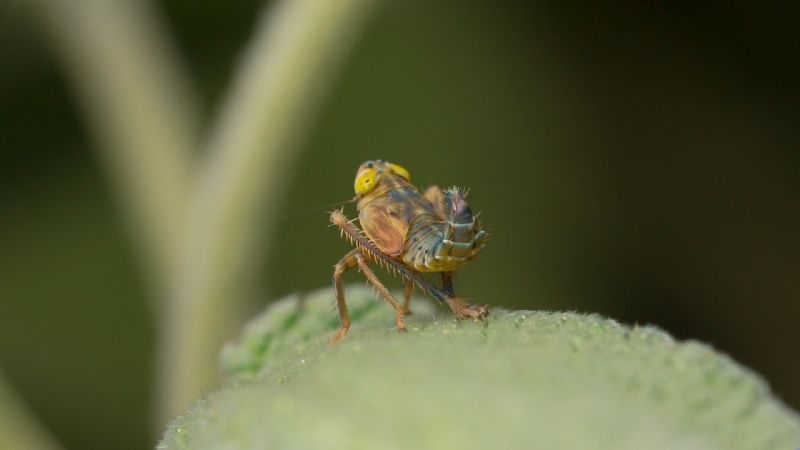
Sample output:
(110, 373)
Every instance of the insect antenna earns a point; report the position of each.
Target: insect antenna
(310, 210)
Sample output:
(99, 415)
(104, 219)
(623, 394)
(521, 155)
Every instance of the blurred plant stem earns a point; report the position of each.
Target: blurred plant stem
(18, 428)
(140, 107)
(287, 68)
(199, 223)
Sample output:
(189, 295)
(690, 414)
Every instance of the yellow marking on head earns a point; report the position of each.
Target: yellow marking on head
(365, 181)
(400, 170)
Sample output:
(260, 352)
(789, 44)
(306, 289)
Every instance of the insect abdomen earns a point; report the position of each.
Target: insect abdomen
(433, 245)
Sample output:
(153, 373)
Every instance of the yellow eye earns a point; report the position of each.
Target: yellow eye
(400, 171)
(365, 181)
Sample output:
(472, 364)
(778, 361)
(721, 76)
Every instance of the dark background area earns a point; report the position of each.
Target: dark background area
(639, 161)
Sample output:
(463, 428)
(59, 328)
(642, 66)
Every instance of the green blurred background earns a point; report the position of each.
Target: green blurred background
(637, 161)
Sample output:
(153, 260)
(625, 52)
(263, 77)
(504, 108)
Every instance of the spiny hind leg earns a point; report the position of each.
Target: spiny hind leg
(462, 308)
(466, 310)
(361, 260)
(364, 249)
(408, 289)
(348, 261)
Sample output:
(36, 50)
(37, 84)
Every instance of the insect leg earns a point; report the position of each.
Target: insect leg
(348, 261)
(460, 307)
(447, 283)
(369, 250)
(361, 260)
(408, 289)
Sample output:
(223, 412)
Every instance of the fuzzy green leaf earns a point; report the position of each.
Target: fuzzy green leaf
(523, 379)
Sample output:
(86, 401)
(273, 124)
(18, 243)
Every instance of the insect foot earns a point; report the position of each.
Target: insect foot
(464, 310)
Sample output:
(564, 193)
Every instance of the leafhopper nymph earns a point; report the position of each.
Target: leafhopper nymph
(408, 232)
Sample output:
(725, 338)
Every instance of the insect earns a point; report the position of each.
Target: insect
(408, 232)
